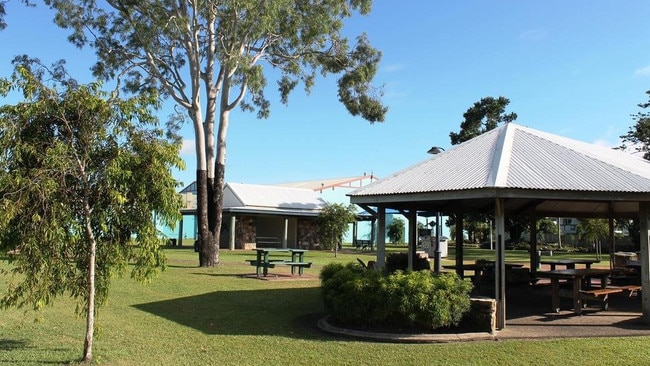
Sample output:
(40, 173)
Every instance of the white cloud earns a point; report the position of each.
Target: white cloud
(644, 71)
(393, 67)
(188, 147)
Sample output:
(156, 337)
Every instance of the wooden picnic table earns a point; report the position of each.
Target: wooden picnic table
(263, 262)
(578, 278)
(479, 267)
(569, 263)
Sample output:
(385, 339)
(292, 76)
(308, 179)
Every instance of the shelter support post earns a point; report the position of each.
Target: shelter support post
(381, 237)
(180, 232)
(413, 237)
(437, 262)
(644, 225)
(500, 265)
(285, 233)
(612, 243)
(534, 257)
(233, 233)
(459, 245)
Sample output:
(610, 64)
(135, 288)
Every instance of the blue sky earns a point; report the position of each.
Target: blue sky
(573, 68)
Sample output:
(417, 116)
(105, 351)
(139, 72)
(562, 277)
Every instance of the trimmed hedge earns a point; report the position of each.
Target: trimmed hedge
(400, 300)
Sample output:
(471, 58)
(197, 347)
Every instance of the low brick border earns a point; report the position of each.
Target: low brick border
(324, 325)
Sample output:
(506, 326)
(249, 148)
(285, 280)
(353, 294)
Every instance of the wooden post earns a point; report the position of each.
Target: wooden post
(180, 232)
(534, 258)
(459, 244)
(500, 265)
(644, 226)
(413, 237)
(381, 237)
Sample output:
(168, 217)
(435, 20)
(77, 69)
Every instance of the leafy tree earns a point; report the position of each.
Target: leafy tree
(483, 116)
(82, 179)
(516, 226)
(593, 229)
(395, 230)
(212, 56)
(333, 222)
(546, 226)
(639, 134)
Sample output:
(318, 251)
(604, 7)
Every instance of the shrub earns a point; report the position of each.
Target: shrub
(428, 301)
(352, 293)
(418, 300)
(399, 261)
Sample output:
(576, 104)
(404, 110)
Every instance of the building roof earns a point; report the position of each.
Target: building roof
(519, 163)
(271, 199)
(322, 184)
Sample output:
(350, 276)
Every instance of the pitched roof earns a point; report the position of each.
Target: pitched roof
(518, 163)
(513, 156)
(239, 197)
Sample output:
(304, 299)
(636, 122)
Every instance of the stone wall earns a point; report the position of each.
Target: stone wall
(482, 315)
(308, 234)
(245, 229)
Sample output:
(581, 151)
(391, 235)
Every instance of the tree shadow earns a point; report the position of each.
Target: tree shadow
(289, 312)
(9, 345)
(12, 344)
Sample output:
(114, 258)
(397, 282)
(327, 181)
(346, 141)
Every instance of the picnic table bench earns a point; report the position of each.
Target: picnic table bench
(601, 295)
(262, 262)
(363, 244)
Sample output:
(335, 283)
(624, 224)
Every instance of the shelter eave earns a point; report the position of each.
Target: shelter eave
(498, 192)
(517, 201)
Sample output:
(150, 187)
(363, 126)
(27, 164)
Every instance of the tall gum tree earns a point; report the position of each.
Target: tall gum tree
(213, 56)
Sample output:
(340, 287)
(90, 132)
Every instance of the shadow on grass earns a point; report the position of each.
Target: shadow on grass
(282, 312)
(12, 344)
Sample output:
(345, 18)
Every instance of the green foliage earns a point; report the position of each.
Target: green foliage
(399, 261)
(333, 223)
(400, 300)
(546, 226)
(213, 56)
(639, 134)
(83, 177)
(593, 229)
(395, 230)
(483, 116)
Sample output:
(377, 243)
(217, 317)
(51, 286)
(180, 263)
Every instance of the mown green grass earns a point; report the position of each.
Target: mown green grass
(198, 316)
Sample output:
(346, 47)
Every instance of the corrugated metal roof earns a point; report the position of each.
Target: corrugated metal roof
(238, 195)
(513, 156)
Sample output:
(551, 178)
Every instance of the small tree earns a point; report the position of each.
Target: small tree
(545, 227)
(483, 116)
(395, 230)
(82, 179)
(333, 223)
(639, 134)
(593, 229)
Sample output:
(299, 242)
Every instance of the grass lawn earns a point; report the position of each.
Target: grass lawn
(198, 316)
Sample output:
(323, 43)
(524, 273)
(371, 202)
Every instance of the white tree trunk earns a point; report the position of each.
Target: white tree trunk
(90, 316)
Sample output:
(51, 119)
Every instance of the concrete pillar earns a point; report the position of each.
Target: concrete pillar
(233, 233)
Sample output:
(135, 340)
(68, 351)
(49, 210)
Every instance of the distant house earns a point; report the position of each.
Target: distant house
(260, 215)
(282, 215)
